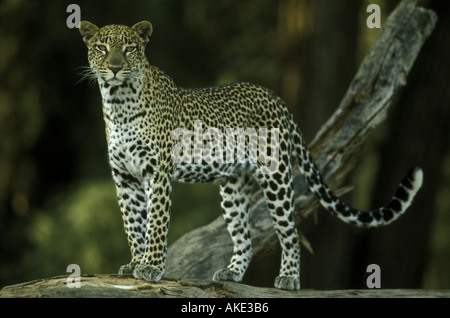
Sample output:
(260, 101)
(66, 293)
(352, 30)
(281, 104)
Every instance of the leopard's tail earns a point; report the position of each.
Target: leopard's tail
(401, 200)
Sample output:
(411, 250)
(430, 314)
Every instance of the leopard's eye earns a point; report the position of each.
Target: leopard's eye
(101, 48)
(130, 49)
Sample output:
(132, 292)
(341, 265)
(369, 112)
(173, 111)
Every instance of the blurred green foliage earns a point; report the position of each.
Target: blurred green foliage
(438, 275)
(59, 232)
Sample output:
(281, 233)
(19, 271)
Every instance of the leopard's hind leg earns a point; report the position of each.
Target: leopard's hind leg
(279, 194)
(235, 195)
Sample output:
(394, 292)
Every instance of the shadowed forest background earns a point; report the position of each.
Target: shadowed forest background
(57, 197)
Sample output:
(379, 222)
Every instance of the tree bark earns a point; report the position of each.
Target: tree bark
(425, 124)
(199, 253)
(107, 286)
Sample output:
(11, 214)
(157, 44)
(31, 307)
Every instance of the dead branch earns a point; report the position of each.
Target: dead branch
(199, 253)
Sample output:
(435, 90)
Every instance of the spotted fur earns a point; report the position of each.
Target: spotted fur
(142, 108)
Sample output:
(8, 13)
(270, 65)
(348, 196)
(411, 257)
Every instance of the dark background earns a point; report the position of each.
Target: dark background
(57, 199)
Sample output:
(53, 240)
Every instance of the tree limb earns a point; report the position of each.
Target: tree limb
(199, 253)
(125, 286)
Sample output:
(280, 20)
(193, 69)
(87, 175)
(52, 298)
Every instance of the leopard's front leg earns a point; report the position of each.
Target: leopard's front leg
(152, 264)
(133, 205)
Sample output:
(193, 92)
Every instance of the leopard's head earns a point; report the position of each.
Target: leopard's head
(116, 52)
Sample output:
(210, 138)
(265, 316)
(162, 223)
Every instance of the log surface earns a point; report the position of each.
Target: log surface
(107, 286)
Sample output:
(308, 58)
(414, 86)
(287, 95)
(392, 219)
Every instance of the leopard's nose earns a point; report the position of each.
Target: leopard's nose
(115, 69)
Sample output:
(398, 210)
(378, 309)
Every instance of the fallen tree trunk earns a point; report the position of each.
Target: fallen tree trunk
(199, 253)
(116, 286)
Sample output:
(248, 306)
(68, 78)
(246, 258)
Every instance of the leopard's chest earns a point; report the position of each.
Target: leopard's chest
(131, 153)
(130, 147)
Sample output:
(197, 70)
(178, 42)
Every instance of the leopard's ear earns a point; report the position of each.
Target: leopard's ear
(143, 30)
(88, 30)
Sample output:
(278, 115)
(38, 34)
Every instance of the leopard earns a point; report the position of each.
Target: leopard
(143, 107)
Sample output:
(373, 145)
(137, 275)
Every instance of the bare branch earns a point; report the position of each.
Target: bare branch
(199, 253)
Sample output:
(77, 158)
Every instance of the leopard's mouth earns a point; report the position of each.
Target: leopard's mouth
(115, 81)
